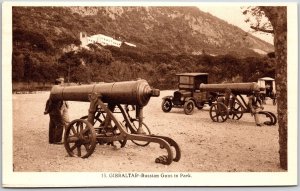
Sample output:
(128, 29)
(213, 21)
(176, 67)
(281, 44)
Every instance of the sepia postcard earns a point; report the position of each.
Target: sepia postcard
(131, 94)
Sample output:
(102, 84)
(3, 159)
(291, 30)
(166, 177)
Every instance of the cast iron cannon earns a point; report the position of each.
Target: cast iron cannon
(231, 102)
(108, 103)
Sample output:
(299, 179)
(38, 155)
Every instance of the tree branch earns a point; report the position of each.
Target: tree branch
(262, 29)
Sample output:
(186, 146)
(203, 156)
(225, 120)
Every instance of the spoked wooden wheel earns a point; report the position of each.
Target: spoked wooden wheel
(80, 138)
(122, 143)
(135, 125)
(189, 107)
(218, 112)
(166, 105)
(236, 111)
(98, 118)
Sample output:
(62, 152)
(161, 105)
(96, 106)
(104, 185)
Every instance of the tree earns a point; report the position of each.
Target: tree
(28, 68)
(17, 66)
(69, 63)
(278, 26)
(36, 40)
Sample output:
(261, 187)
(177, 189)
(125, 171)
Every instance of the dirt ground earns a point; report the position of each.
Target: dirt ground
(206, 146)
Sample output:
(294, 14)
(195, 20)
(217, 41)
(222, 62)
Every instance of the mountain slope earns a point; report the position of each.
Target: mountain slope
(156, 29)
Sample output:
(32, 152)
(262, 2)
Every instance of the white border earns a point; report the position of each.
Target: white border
(38, 179)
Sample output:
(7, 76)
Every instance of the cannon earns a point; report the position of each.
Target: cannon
(231, 102)
(108, 119)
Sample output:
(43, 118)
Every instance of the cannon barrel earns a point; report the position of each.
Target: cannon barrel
(240, 88)
(127, 92)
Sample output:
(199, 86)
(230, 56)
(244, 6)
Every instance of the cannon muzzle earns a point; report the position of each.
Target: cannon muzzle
(155, 93)
(240, 88)
(127, 92)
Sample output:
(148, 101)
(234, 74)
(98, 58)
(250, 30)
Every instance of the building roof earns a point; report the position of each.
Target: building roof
(192, 74)
(266, 78)
(130, 44)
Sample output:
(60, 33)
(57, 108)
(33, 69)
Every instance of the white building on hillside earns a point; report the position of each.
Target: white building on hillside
(130, 44)
(101, 39)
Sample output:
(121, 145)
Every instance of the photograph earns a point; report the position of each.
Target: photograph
(149, 94)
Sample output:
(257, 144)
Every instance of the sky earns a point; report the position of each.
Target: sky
(234, 16)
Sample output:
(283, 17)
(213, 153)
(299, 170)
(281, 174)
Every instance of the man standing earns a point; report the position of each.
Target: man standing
(255, 105)
(59, 117)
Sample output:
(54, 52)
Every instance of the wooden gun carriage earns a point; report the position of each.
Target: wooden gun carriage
(102, 124)
(231, 102)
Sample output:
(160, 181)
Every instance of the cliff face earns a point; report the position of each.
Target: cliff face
(177, 29)
(158, 29)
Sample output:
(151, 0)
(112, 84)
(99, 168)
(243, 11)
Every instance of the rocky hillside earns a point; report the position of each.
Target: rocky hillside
(168, 40)
(155, 29)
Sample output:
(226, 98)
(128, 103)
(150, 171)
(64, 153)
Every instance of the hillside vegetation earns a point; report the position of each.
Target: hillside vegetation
(169, 40)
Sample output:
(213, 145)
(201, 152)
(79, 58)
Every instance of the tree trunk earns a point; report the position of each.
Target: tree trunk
(278, 19)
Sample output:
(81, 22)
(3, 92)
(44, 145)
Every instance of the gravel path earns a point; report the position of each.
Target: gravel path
(233, 146)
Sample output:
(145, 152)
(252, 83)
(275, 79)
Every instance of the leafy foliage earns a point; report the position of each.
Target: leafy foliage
(168, 42)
